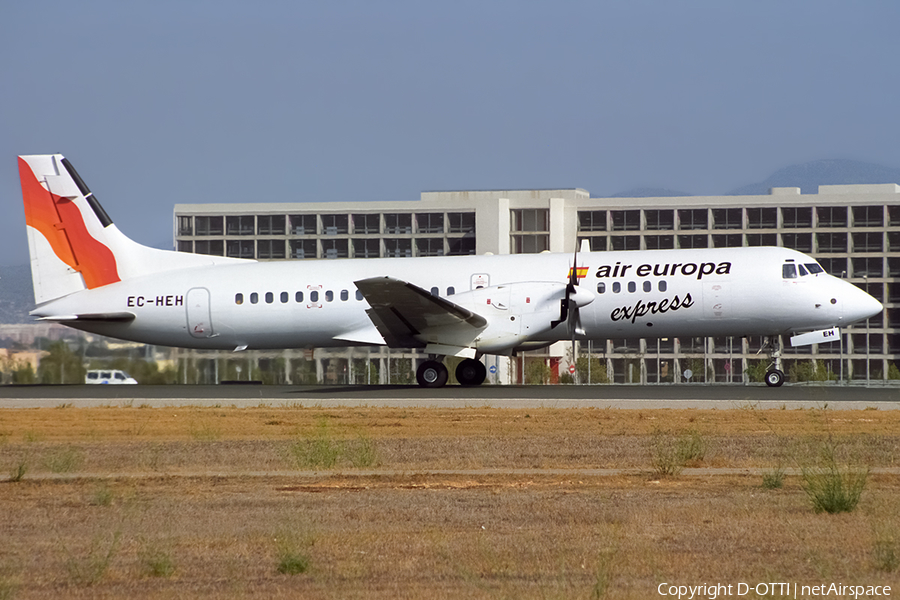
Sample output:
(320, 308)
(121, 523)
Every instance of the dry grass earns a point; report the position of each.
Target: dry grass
(516, 519)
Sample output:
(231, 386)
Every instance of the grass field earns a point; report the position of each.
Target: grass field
(273, 502)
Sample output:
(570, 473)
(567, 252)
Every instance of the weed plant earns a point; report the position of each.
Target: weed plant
(669, 454)
(89, 569)
(64, 460)
(293, 555)
(157, 562)
(830, 488)
(18, 472)
(774, 479)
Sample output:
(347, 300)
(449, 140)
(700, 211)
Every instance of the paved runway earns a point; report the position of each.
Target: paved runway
(559, 396)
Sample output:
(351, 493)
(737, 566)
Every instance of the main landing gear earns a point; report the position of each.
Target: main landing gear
(774, 375)
(433, 374)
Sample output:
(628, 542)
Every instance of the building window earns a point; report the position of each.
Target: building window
(303, 224)
(591, 220)
(727, 240)
(430, 222)
(727, 218)
(793, 218)
(598, 244)
(894, 216)
(211, 247)
(831, 216)
(464, 246)
(270, 224)
(270, 248)
(531, 219)
(893, 241)
(692, 218)
(868, 216)
(867, 267)
(239, 225)
(366, 224)
(660, 219)
(303, 248)
(831, 242)
(461, 222)
(185, 225)
(693, 241)
(430, 247)
(185, 246)
(530, 244)
(239, 248)
(659, 242)
(366, 248)
(801, 242)
(208, 225)
(626, 220)
(398, 223)
(334, 224)
(762, 239)
(834, 266)
(626, 242)
(868, 242)
(397, 248)
(762, 218)
(335, 249)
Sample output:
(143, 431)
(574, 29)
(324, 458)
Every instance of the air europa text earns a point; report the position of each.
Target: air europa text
(665, 270)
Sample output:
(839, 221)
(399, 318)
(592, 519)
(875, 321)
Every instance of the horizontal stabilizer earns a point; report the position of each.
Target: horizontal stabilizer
(816, 337)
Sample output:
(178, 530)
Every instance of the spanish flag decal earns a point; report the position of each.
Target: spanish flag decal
(580, 272)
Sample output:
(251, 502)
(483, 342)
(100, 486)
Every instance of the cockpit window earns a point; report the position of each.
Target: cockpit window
(789, 271)
(814, 268)
(803, 271)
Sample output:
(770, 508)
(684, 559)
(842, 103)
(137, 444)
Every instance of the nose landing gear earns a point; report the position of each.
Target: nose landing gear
(774, 375)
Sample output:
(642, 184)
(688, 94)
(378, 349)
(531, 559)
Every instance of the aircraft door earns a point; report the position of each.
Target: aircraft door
(199, 317)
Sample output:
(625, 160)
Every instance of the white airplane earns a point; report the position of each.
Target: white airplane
(89, 276)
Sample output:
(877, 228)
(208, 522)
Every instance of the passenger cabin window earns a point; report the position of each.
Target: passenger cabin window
(435, 291)
(601, 288)
(662, 286)
(329, 296)
(617, 287)
(648, 286)
(345, 295)
(451, 290)
(789, 271)
(359, 295)
(238, 298)
(314, 296)
(284, 297)
(270, 297)
(632, 287)
(254, 298)
(298, 297)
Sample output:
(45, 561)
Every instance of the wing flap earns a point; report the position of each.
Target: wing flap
(403, 313)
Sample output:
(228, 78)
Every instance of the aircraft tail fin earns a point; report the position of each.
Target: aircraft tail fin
(73, 243)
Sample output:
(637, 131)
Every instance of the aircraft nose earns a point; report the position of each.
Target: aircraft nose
(859, 306)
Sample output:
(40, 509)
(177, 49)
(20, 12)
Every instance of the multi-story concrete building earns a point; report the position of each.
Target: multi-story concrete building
(853, 230)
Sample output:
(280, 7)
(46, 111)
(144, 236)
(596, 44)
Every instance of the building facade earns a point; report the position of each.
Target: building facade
(852, 230)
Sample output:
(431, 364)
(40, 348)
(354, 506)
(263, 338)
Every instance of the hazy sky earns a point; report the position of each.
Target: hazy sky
(166, 102)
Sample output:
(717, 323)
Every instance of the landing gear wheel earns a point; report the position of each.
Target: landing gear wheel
(471, 372)
(774, 378)
(432, 374)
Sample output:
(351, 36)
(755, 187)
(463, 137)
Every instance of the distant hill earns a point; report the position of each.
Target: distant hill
(809, 176)
(16, 294)
(648, 192)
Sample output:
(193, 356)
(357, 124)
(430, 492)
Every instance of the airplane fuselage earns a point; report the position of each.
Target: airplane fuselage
(304, 304)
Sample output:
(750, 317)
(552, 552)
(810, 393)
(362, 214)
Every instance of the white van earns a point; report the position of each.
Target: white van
(111, 376)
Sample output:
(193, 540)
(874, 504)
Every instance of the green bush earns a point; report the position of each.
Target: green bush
(830, 488)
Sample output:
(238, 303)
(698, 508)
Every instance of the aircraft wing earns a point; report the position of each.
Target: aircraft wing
(404, 313)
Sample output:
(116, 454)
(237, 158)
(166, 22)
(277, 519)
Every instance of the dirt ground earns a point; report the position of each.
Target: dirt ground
(273, 502)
